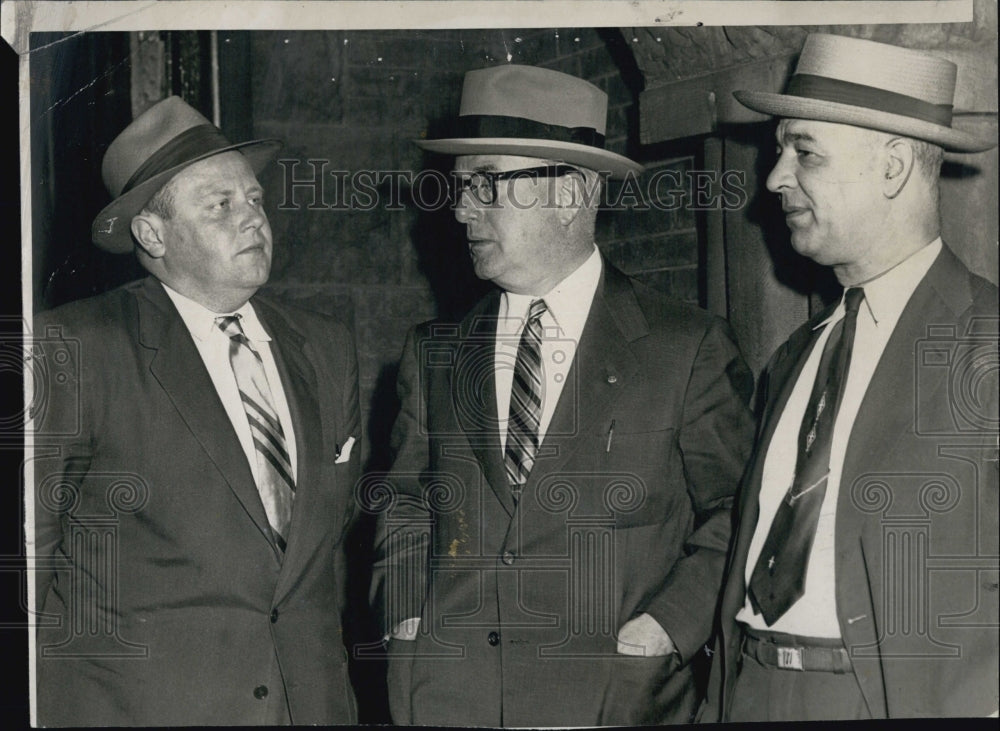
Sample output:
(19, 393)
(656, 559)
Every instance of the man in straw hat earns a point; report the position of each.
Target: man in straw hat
(863, 577)
(212, 432)
(551, 550)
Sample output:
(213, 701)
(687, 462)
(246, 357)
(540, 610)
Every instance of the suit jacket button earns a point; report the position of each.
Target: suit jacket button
(260, 692)
(493, 638)
(274, 616)
(508, 558)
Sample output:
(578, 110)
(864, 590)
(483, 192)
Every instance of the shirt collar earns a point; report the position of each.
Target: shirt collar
(887, 294)
(201, 321)
(568, 303)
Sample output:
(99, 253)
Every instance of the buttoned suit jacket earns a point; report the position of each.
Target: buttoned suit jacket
(626, 510)
(916, 516)
(162, 598)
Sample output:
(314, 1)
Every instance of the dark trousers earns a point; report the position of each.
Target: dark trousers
(768, 693)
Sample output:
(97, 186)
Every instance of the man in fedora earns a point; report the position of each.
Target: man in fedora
(862, 581)
(194, 460)
(552, 532)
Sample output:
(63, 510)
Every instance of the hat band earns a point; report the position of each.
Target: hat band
(826, 89)
(489, 125)
(189, 145)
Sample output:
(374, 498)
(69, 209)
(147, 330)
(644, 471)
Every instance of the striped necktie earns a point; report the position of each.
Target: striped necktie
(525, 402)
(274, 469)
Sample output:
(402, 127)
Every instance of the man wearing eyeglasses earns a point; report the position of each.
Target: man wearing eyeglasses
(552, 533)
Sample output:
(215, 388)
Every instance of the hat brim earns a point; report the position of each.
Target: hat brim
(112, 228)
(797, 107)
(602, 161)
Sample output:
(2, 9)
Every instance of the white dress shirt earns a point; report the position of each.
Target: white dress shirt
(815, 613)
(567, 307)
(213, 346)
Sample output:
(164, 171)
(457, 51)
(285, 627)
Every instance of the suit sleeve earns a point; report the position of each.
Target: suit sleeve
(402, 538)
(715, 440)
(62, 448)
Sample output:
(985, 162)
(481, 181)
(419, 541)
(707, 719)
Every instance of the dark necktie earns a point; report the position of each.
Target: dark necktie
(778, 579)
(525, 402)
(274, 469)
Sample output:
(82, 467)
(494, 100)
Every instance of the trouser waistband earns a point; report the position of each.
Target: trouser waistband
(791, 652)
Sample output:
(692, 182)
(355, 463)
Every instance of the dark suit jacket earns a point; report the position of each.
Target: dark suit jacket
(163, 599)
(916, 523)
(520, 605)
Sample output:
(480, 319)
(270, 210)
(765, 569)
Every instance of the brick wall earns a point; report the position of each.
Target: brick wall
(356, 100)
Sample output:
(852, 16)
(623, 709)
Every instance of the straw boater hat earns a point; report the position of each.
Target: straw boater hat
(534, 112)
(157, 145)
(873, 85)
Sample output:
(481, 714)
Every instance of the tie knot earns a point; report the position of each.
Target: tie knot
(853, 298)
(230, 325)
(536, 310)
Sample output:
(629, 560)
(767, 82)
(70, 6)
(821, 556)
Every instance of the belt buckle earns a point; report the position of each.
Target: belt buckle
(790, 658)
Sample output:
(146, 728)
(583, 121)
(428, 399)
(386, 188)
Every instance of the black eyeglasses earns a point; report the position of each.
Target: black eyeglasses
(483, 183)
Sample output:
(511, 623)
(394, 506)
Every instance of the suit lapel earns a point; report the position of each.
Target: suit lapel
(781, 379)
(886, 415)
(785, 372)
(178, 367)
(603, 364)
(940, 298)
(475, 400)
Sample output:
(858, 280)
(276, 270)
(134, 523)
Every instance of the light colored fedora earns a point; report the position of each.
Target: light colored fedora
(157, 145)
(534, 112)
(872, 85)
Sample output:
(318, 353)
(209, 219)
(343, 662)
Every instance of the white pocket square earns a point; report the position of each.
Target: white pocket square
(345, 451)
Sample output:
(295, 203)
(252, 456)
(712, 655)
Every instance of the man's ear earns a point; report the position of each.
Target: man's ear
(147, 228)
(899, 162)
(570, 196)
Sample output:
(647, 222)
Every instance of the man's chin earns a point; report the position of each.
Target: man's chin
(803, 244)
(256, 280)
(482, 267)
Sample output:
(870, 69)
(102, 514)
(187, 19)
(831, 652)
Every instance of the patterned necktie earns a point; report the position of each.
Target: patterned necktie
(274, 469)
(525, 402)
(778, 579)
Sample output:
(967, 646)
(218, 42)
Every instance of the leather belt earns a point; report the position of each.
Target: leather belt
(796, 656)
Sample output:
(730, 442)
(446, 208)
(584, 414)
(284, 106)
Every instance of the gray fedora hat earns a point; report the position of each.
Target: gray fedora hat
(873, 85)
(157, 145)
(535, 112)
